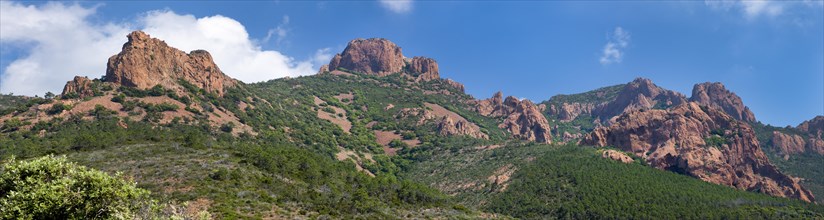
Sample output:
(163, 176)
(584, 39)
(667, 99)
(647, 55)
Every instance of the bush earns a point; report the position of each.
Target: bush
(58, 108)
(53, 188)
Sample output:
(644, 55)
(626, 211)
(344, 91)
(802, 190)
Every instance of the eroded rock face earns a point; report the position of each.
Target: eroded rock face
(814, 127)
(701, 142)
(716, 96)
(145, 62)
(450, 126)
(788, 143)
(455, 84)
(522, 118)
(374, 56)
(617, 156)
(640, 94)
(80, 85)
(424, 69)
(567, 112)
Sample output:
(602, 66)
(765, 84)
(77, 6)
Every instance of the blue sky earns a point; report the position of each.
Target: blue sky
(769, 53)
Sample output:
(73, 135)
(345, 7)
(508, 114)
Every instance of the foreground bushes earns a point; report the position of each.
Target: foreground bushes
(53, 188)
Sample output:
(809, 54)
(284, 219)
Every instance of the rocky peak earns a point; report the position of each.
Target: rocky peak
(374, 56)
(814, 127)
(381, 57)
(716, 96)
(702, 142)
(145, 62)
(640, 94)
(522, 118)
(80, 86)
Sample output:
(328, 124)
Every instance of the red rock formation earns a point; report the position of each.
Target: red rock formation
(424, 69)
(617, 156)
(814, 127)
(374, 56)
(80, 86)
(701, 142)
(522, 119)
(458, 126)
(815, 145)
(716, 96)
(457, 85)
(567, 112)
(145, 62)
(788, 143)
(639, 94)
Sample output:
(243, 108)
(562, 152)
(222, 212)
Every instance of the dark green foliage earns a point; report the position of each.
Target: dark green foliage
(58, 108)
(574, 182)
(715, 141)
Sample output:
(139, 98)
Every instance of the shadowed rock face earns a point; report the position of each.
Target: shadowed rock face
(522, 118)
(145, 62)
(80, 85)
(809, 139)
(702, 142)
(814, 127)
(423, 68)
(788, 143)
(716, 96)
(639, 94)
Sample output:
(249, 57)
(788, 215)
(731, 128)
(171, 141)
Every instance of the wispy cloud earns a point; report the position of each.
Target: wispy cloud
(397, 6)
(280, 32)
(60, 40)
(617, 42)
(753, 9)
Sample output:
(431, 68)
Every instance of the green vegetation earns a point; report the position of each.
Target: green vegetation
(53, 188)
(807, 165)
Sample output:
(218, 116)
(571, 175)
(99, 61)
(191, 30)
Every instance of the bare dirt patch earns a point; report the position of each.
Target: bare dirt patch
(345, 154)
(345, 98)
(341, 121)
(340, 73)
(500, 178)
(488, 147)
(385, 137)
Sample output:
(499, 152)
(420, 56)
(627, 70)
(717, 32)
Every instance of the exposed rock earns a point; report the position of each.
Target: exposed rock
(374, 56)
(448, 126)
(640, 94)
(569, 111)
(455, 84)
(815, 145)
(81, 86)
(323, 68)
(145, 62)
(617, 156)
(571, 136)
(701, 142)
(424, 69)
(522, 119)
(788, 143)
(716, 96)
(814, 127)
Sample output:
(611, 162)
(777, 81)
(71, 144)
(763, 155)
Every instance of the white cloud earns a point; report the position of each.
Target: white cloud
(616, 43)
(751, 9)
(59, 41)
(397, 6)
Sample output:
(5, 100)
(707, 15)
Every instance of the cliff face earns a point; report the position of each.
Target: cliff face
(381, 57)
(716, 96)
(145, 62)
(80, 86)
(522, 118)
(701, 142)
(637, 95)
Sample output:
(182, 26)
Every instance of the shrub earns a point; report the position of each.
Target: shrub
(58, 108)
(53, 188)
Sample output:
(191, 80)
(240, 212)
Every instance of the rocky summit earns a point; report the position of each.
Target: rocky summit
(523, 119)
(146, 62)
(716, 96)
(702, 142)
(381, 57)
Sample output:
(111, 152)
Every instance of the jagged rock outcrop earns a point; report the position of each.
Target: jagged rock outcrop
(522, 118)
(788, 143)
(455, 84)
(567, 112)
(701, 142)
(423, 68)
(639, 94)
(617, 156)
(816, 145)
(381, 57)
(80, 86)
(374, 56)
(814, 127)
(145, 62)
(452, 126)
(716, 96)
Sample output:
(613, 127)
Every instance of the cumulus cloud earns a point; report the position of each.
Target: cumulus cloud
(397, 6)
(616, 43)
(60, 41)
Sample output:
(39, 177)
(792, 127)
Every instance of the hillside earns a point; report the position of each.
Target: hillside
(378, 135)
